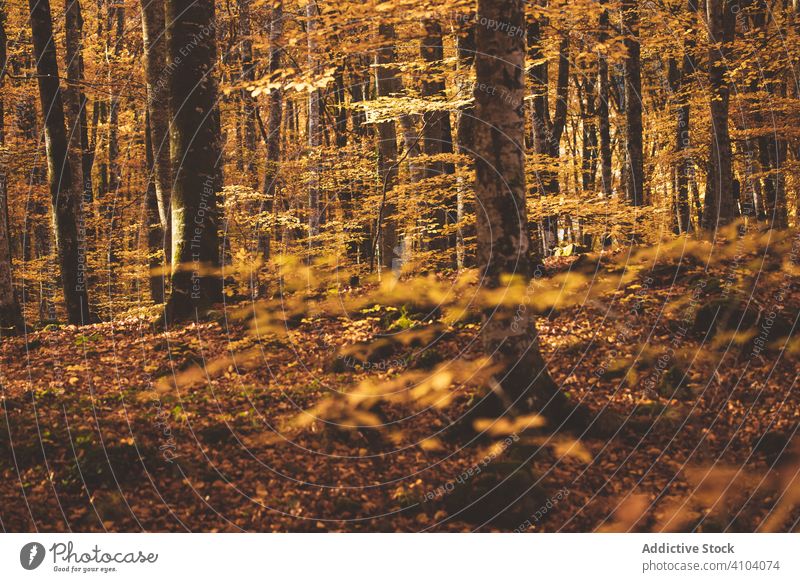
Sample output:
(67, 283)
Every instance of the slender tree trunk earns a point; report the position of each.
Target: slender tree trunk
(589, 135)
(509, 334)
(75, 99)
(436, 130)
(685, 168)
(87, 153)
(273, 127)
(547, 130)
(719, 206)
(388, 83)
(465, 139)
(772, 149)
(196, 158)
(157, 72)
(154, 228)
(634, 149)
(603, 121)
(11, 321)
(117, 28)
(314, 127)
(248, 103)
(340, 108)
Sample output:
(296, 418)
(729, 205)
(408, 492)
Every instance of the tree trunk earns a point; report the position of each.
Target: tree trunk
(116, 20)
(685, 166)
(589, 134)
(153, 225)
(547, 130)
(634, 185)
(74, 98)
(719, 204)
(509, 334)
(248, 103)
(11, 321)
(603, 121)
(314, 128)
(273, 127)
(465, 130)
(340, 108)
(436, 130)
(387, 83)
(157, 75)
(65, 186)
(196, 158)
(772, 149)
(358, 67)
(116, 31)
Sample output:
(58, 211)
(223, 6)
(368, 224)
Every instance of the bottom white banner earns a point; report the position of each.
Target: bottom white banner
(399, 557)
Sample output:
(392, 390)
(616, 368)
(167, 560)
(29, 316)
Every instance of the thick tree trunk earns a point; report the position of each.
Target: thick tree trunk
(719, 208)
(196, 158)
(634, 186)
(157, 73)
(11, 321)
(509, 334)
(388, 83)
(65, 186)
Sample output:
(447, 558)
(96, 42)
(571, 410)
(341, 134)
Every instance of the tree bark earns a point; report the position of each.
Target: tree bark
(589, 134)
(465, 129)
(74, 98)
(603, 121)
(388, 83)
(116, 19)
(509, 334)
(153, 226)
(273, 126)
(11, 321)
(196, 158)
(719, 204)
(634, 185)
(685, 166)
(157, 71)
(547, 129)
(314, 127)
(437, 136)
(65, 186)
(248, 103)
(772, 149)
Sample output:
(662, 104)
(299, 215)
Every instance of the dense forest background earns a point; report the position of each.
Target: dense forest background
(275, 265)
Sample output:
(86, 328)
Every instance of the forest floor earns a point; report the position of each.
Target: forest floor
(91, 441)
